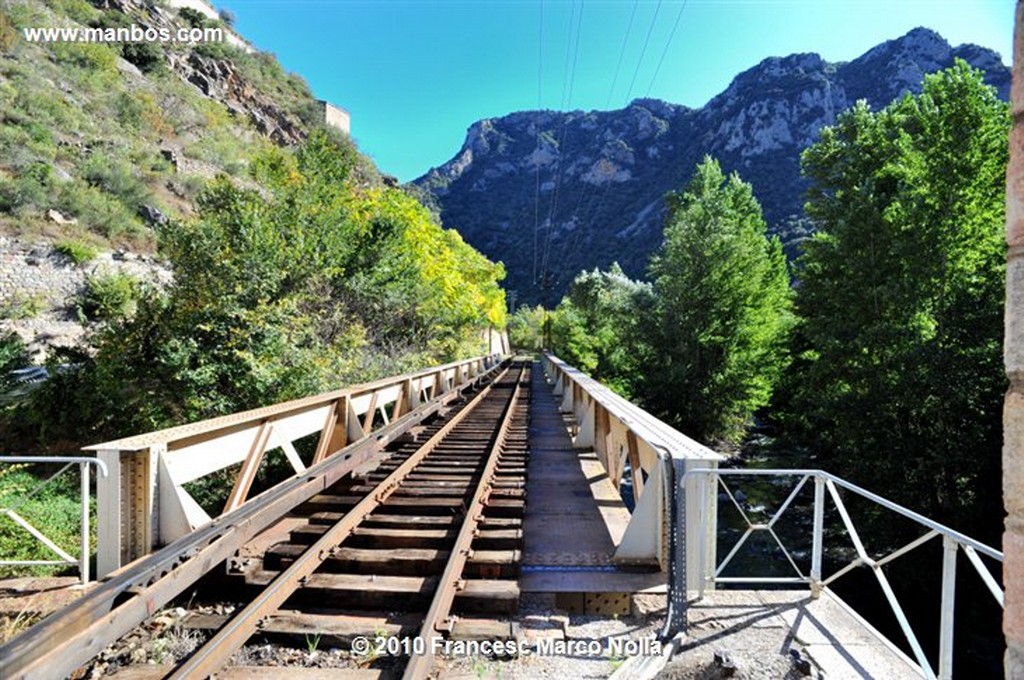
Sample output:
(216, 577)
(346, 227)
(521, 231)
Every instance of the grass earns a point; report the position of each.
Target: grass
(55, 510)
(77, 251)
(23, 305)
(13, 625)
(312, 642)
(110, 296)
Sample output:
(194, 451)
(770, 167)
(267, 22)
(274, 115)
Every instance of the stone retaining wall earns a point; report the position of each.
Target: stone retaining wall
(36, 275)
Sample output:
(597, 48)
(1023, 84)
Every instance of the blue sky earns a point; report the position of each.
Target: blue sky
(414, 74)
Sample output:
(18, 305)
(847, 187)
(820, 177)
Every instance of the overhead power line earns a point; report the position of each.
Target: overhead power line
(643, 51)
(622, 53)
(536, 129)
(664, 52)
(567, 89)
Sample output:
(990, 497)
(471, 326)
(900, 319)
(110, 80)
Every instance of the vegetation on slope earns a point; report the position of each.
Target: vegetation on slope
(98, 131)
(315, 281)
(296, 267)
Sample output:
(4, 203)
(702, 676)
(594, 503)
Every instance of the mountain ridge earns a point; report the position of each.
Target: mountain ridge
(603, 174)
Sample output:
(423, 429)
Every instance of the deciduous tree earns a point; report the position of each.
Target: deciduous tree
(899, 376)
(722, 309)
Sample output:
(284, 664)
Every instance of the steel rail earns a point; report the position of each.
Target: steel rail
(64, 641)
(209, 658)
(421, 662)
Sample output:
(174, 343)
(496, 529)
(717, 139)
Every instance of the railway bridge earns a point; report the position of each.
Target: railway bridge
(423, 508)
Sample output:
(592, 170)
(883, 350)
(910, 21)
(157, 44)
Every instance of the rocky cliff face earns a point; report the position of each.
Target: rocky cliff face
(594, 181)
(218, 78)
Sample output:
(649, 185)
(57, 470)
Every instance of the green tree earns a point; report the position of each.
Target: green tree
(899, 376)
(596, 326)
(13, 355)
(314, 281)
(721, 312)
(526, 328)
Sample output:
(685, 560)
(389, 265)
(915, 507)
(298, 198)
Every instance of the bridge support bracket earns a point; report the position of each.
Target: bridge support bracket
(675, 621)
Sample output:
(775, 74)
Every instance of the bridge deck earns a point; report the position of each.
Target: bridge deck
(758, 629)
(574, 515)
(575, 518)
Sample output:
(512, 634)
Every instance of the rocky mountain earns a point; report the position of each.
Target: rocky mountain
(577, 190)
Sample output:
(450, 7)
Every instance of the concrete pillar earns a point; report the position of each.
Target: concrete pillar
(1013, 410)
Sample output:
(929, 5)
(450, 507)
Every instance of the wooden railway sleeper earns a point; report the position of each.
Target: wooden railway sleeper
(212, 655)
(67, 639)
(451, 581)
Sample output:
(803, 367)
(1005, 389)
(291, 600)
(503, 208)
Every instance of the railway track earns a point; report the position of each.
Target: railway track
(417, 541)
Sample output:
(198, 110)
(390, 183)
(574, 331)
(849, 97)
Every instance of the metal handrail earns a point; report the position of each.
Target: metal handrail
(952, 541)
(665, 440)
(65, 558)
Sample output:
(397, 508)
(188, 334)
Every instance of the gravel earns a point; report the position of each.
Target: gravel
(591, 641)
(558, 645)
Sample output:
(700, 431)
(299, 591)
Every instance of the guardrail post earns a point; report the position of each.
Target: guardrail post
(703, 530)
(127, 509)
(84, 512)
(819, 535)
(678, 565)
(108, 507)
(585, 421)
(83, 561)
(949, 548)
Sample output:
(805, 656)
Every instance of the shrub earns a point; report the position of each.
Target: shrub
(93, 56)
(20, 195)
(148, 57)
(13, 355)
(139, 111)
(80, 10)
(110, 296)
(219, 51)
(8, 33)
(116, 176)
(10, 199)
(36, 105)
(22, 306)
(195, 18)
(97, 210)
(78, 252)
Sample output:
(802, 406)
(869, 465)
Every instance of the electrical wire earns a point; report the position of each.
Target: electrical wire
(643, 51)
(664, 52)
(536, 129)
(567, 90)
(622, 53)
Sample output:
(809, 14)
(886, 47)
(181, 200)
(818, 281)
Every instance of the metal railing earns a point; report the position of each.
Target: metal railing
(11, 511)
(952, 543)
(629, 441)
(144, 503)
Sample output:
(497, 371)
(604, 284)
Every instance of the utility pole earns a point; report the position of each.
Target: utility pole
(546, 281)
